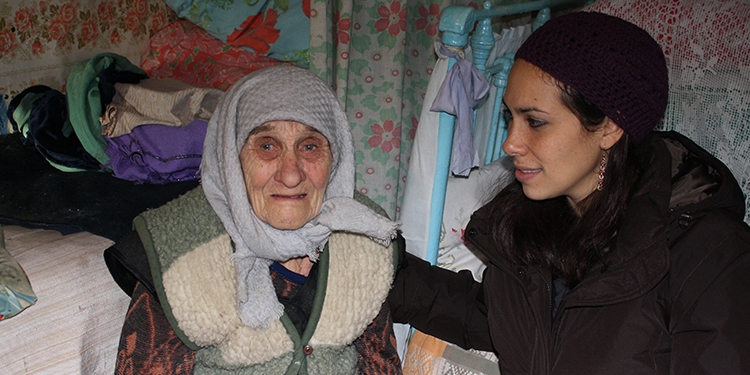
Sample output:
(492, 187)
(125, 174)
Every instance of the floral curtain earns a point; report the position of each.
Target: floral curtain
(379, 55)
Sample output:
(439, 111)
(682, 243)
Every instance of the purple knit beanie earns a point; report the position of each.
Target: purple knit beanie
(613, 63)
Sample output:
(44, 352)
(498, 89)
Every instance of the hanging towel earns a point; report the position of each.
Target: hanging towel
(463, 88)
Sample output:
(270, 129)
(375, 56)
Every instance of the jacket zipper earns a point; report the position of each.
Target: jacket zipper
(550, 343)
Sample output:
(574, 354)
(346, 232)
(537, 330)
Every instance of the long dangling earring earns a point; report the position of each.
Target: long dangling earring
(602, 168)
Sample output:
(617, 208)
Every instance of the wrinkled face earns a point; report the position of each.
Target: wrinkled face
(553, 153)
(286, 166)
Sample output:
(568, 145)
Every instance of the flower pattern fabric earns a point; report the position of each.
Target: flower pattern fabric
(273, 28)
(429, 19)
(393, 18)
(190, 54)
(342, 26)
(387, 137)
(257, 33)
(41, 40)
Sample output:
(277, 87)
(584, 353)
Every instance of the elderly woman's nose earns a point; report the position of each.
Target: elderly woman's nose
(290, 172)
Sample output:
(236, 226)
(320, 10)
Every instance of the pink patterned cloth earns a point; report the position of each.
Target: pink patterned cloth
(188, 53)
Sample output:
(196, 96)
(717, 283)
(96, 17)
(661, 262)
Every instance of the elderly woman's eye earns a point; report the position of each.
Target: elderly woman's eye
(312, 144)
(267, 149)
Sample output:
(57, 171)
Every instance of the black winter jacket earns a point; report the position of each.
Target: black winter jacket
(674, 297)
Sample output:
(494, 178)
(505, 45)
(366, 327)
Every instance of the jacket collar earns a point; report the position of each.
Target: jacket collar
(700, 181)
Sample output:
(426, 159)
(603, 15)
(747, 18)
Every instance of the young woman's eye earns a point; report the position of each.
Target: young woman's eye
(507, 116)
(534, 123)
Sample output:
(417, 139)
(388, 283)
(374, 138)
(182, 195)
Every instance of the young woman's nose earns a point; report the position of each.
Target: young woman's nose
(513, 145)
(290, 172)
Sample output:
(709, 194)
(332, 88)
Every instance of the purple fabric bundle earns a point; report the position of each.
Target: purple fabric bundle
(158, 154)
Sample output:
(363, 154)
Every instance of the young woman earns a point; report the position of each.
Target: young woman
(616, 250)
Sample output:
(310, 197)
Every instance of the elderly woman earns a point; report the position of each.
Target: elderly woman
(274, 266)
(616, 249)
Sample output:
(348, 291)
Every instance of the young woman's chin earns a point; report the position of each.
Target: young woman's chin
(534, 193)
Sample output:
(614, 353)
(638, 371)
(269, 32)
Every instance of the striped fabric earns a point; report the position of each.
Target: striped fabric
(427, 355)
(75, 325)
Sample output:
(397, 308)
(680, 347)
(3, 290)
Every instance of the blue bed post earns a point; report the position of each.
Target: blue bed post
(482, 41)
(456, 23)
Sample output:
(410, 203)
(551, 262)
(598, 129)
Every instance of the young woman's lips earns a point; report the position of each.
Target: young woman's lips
(526, 174)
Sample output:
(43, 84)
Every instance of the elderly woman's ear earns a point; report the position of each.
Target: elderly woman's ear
(286, 167)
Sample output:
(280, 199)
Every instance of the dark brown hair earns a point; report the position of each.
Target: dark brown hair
(549, 233)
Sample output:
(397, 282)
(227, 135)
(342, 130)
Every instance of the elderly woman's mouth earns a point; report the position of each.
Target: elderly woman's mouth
(289, 196)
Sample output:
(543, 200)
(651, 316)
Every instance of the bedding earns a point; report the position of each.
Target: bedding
(142, 156)
(463, 197)
(277, 29)
(66, 127)
(40, 115)
(74, 327)
(184, 51)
